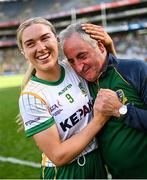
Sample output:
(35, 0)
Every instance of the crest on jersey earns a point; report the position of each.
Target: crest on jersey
(121, 96)
(83, 88)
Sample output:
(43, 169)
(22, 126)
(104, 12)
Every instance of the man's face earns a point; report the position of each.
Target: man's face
(86, 60)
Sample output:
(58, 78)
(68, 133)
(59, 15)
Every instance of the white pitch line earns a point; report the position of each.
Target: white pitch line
(19, 161)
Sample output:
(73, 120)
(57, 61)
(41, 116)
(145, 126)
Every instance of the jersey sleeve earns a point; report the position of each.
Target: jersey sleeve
(136, 118)
(137, 76)
(35, 114)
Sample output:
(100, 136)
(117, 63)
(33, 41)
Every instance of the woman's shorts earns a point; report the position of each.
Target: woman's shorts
(89, 166)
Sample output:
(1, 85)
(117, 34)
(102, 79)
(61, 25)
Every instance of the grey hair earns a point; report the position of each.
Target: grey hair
(29, 22)
(75, 28)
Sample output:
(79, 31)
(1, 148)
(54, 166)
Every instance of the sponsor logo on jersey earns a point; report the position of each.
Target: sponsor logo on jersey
(65, 89)
(56, 109)
(76, 116)
(28, 123)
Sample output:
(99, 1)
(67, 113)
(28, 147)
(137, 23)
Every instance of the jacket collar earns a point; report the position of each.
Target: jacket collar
(111, 62)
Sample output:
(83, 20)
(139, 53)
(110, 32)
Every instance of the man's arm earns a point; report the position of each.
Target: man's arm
(135, 72)
(136, 118)
(109, 105)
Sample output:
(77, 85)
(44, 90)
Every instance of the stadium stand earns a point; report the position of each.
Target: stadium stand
(125, 20)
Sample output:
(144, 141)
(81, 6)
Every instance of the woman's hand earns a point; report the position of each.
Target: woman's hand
(98, 33)
(107, 103)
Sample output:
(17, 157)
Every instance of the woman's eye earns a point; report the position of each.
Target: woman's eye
(30, 44)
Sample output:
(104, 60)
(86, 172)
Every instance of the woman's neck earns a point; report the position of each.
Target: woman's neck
(49, 75)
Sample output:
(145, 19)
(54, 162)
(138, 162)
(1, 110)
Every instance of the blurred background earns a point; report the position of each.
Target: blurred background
(124, 20)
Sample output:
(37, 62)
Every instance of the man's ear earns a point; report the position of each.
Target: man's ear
(101, 46)
(58, 39)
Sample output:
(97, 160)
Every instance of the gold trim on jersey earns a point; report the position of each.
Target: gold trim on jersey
(37, 96)
(44, 159)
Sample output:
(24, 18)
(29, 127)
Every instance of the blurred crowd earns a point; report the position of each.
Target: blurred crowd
(20, 9)
(132, 44)
(128, 45)
(11, 62)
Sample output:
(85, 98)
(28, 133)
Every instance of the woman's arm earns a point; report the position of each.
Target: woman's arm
(40, 124)
(98, 33)
(61, 153)
(46, 135)
(48, 141)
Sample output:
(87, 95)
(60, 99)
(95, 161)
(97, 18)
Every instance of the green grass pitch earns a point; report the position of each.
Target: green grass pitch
(13, 144)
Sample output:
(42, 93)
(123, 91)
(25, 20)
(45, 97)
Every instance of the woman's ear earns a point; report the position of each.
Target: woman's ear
(22, 52)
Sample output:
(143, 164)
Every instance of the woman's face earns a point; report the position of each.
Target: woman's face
(40, 46)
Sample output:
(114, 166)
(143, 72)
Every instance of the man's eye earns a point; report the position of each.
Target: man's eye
(70, 61)
(82, 56)
(46, 38)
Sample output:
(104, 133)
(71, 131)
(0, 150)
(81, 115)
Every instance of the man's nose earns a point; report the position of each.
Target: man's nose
(78, 66)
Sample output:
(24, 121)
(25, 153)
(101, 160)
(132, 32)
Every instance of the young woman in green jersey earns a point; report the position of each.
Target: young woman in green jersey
(56, 108)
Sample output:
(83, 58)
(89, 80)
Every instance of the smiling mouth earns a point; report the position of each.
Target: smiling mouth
(43, 57)
(86, 69)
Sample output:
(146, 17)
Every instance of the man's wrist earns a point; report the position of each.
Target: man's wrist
(123, 110)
